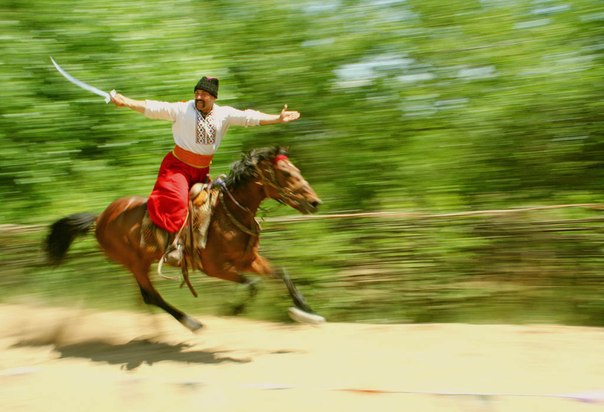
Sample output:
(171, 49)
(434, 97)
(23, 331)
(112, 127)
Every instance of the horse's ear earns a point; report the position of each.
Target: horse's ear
(281, 150)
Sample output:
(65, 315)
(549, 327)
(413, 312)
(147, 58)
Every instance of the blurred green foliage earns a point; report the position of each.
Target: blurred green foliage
(543, 267)
(414, 105)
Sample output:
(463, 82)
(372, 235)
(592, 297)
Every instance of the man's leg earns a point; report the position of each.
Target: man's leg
(168, 205)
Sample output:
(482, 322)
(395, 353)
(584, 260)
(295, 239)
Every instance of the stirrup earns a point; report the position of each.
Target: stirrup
(166, 257)
(174, 255)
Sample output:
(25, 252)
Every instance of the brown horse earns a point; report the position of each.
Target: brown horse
(232, 236)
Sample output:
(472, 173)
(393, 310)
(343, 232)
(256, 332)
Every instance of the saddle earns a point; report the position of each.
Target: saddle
(192, 237)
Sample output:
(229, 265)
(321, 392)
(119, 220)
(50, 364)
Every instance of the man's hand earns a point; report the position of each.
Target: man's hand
(118, 100)
(122, 101)
(288, 115)
(285, 116)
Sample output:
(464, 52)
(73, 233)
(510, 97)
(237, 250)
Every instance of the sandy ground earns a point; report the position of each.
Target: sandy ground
(66, 359)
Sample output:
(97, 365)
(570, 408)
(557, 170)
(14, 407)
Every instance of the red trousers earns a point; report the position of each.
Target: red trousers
(169, 200)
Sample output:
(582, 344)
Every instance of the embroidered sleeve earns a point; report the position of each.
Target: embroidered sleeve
(245, 118)
(163, 110)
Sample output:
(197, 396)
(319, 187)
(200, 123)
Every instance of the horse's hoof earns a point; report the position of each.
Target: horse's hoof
(304, 317)
(191, 324)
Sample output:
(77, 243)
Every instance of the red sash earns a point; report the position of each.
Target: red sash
(192, 159)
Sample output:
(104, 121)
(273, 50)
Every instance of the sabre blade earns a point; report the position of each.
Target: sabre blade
(85, 86)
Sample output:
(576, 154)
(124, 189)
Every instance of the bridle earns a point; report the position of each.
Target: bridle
(268, 179)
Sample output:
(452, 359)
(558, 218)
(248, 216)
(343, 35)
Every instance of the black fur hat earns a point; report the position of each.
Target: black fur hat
(209, 84)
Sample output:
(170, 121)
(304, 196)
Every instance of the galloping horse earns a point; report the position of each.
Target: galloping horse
(232, 236)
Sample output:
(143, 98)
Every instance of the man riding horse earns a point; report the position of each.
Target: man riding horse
(198, 127)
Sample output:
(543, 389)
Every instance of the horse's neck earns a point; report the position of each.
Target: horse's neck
(249, 196)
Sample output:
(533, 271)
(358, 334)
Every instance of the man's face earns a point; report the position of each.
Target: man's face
(204, 101)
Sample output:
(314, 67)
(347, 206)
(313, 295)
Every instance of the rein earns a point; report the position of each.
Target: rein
(267, 181)
(253, 232)
(224, 189)
(271, 180)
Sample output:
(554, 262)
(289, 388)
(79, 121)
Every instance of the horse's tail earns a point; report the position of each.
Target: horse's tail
(64, 231)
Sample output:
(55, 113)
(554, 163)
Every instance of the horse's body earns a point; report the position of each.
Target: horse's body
(232, 242)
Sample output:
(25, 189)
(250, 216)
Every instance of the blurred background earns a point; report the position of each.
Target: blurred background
(442, 137)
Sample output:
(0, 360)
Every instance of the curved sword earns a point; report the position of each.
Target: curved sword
(85, 86)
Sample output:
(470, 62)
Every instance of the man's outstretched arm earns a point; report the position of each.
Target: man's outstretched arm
(123, 101)
(285, 116)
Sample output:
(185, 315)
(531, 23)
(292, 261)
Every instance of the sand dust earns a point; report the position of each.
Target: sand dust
(68, 359)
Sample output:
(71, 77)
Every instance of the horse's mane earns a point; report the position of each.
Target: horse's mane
(244, 170)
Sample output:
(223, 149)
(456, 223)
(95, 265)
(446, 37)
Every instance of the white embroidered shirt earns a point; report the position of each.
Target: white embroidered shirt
(198, 133)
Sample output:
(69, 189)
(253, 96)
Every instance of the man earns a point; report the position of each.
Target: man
(198, 127)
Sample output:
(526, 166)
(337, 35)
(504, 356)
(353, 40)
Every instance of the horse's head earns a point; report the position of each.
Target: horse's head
(283, 182)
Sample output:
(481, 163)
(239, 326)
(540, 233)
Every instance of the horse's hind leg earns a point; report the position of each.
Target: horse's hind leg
(152, 297)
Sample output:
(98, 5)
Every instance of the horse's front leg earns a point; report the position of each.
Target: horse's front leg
(294, 293)
(301, 312)
(262, 266)
(227, 271)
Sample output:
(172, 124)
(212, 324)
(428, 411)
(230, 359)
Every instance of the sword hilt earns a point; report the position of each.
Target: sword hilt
(110, 96)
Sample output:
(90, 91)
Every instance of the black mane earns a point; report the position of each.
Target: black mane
(244, 170)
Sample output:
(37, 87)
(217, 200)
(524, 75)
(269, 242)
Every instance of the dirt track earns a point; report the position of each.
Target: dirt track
(58, 359)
